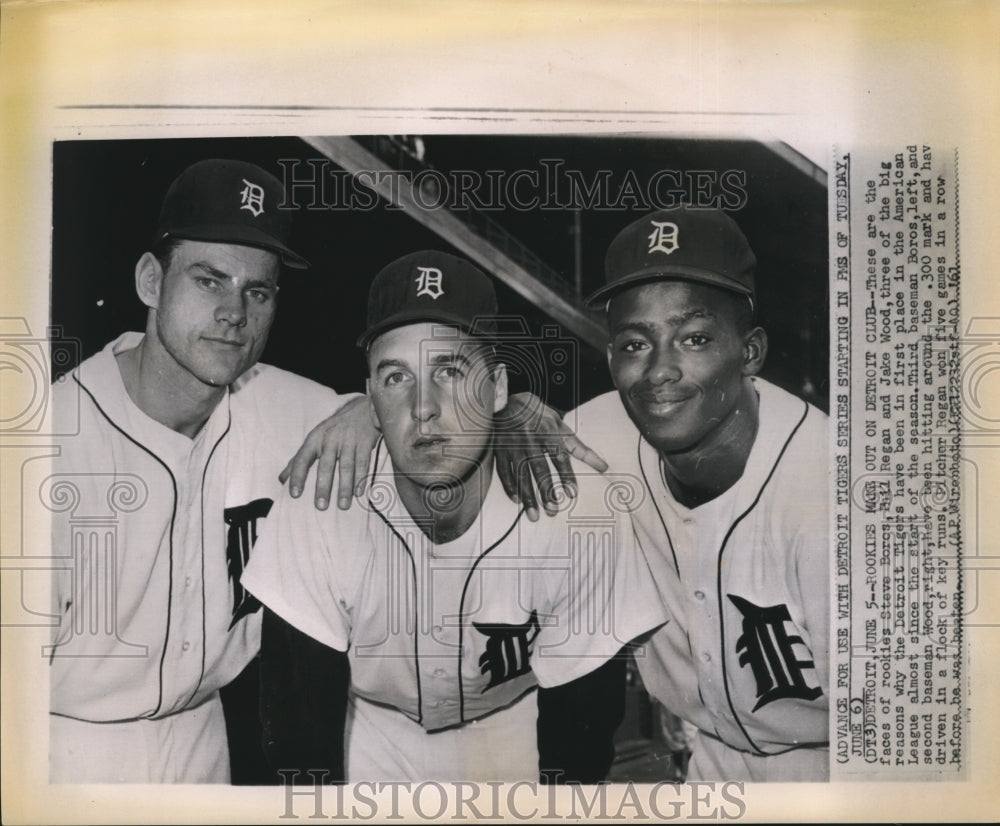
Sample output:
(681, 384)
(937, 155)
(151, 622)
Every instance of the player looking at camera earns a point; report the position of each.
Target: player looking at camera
(451, 606)
(176, 440)
(735, 524)
(181, 436)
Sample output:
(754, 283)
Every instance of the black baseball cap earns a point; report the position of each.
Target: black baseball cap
(687, 243)
(431, 286)
(228, 202)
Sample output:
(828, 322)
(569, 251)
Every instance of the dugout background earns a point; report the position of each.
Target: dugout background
(106, 198)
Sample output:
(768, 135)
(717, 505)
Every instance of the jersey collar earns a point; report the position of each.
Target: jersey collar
(780, 414)
(497, 516)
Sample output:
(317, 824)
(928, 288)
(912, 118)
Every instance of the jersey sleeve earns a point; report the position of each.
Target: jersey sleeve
(322, 403)
(297, 570)
(263, 395)
(600, 595)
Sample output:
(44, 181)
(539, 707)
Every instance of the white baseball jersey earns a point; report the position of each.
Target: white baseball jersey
(450, 633)
(156, 529)
(745, 578)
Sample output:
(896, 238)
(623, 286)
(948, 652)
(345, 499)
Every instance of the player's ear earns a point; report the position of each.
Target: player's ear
(754, 351)
(149, 280)
(499, 387)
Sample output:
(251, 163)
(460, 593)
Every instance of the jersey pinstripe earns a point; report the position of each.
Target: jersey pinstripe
(449, 633)
(155, 532)
(745, 578)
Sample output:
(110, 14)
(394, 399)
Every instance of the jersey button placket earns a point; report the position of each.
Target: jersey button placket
(186, 616)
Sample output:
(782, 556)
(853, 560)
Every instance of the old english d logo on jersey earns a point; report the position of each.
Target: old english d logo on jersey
(242, 535)
(508, 649)
(663, 238)
(766, 647)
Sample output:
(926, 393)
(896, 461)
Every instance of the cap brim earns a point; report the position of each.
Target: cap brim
(598, 298)
(417, 317)
(243, 236)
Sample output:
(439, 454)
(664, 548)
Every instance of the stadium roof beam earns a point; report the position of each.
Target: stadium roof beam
(503, 263)
(799, 161)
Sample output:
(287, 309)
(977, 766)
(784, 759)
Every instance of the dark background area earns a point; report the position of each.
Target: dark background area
(106, 197)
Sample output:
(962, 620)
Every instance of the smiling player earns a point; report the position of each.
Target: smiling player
(736, 525)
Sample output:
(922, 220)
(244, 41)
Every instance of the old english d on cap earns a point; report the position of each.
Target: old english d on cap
(689, 244)
(431, 286)
(228, 202)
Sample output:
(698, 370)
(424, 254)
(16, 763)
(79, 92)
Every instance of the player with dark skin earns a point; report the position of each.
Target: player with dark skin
(681, 356)
(735, 519)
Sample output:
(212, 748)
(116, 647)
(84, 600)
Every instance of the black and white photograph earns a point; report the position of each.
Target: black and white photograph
(617, 281)
(546, 435)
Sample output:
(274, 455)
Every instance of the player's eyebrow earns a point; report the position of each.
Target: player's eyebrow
(683, 318)
(256, 284)
(387, 363)
(434, 360)
(633, 327)
(207, 268)
(676, 320)
(438, 359)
